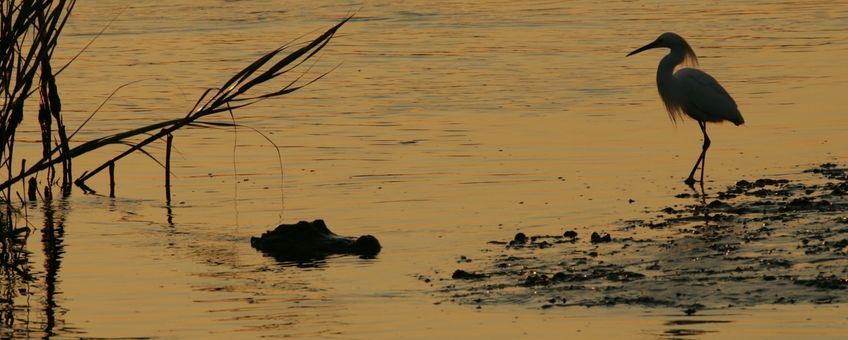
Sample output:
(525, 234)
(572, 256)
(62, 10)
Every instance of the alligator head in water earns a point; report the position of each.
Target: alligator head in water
(312, 240)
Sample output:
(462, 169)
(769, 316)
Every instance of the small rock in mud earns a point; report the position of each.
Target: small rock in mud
(670, 211)
(776, 263)
(597, 238)
(460, 274)
(537, 280)
(784, 300)
(762, 182)
(692, 309)
(825, 282)
(639, 300)
(717, 204)
(570, 234)
(743, 184)
(519, 238)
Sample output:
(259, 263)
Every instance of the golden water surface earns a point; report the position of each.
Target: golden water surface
(446, 124)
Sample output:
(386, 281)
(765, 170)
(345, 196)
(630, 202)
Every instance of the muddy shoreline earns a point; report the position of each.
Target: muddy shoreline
(763, 241)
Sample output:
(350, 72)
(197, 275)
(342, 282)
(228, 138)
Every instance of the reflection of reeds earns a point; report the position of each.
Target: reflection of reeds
(52, 236)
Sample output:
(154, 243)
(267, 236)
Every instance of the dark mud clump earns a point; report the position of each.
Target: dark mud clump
(597, 238)
(464, 275)
(756, 242)
(305, 241)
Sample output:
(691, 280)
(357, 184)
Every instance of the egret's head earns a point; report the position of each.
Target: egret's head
(674, 42)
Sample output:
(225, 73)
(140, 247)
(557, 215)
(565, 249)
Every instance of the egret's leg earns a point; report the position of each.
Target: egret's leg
(691, 180)
(704, 151)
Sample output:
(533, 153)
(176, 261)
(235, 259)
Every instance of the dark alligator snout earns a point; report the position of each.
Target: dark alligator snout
(366, 245)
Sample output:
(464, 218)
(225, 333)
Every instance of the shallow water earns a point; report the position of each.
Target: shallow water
(446, 125)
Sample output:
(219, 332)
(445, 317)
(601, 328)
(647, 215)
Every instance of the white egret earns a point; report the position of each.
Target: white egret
(691, 91)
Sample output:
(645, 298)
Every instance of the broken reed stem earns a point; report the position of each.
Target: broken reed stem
(112, 179)
(23, 166)
(32, 189)
(180, 123)
(168, 144)
(83, 148)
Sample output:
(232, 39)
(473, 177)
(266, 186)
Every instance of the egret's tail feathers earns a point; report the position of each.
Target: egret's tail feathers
(736, 118)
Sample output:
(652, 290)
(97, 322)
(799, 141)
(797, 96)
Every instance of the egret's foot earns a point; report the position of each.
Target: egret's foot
(690, 181)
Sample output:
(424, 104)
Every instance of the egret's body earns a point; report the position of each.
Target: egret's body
(691, 92)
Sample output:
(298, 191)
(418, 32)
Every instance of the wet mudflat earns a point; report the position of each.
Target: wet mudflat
(756, 242)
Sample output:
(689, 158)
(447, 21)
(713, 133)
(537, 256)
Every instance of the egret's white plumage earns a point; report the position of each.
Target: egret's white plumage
(691, 91)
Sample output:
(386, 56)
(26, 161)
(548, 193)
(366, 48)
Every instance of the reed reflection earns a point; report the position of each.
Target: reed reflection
(52, 237)
(20, 281)
(16, 276)
(15, 269)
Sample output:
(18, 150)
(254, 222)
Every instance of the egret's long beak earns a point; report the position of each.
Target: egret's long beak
(654, 44)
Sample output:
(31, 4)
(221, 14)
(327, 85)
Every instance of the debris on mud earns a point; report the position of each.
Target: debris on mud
(766, 241)
(597, 238)
(464, 275)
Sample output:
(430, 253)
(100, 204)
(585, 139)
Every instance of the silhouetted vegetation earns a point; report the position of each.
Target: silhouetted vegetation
(20, 68)
(29, 35)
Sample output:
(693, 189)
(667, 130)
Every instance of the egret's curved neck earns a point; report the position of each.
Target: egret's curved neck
(665, 72)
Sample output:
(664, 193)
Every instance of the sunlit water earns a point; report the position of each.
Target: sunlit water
(445, 125)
